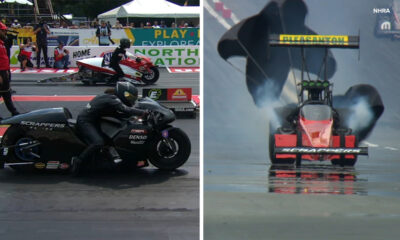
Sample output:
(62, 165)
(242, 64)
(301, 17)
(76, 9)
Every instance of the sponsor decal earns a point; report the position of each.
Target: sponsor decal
(64, 166)
(320, 150)
(107, 57)
(47, 126)
(139, 131)
(137, 137)
(155, 93)
(179, 94)
(171, 56)
(184, 109)
(5, 151)
(40, 165)
(52, 164)
(314, 39)
(165, 133)
(81, 53)
(138, 142)
(386, 25)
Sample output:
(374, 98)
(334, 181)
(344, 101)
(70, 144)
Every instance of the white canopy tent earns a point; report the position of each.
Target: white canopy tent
(19, 2)
(151, 8)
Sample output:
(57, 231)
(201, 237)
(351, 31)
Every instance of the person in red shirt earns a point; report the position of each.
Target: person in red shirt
(25, 53)
(61, 56)
(5, 90)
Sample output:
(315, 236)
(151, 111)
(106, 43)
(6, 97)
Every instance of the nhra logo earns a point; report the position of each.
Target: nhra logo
(154, 94)
(381, 10)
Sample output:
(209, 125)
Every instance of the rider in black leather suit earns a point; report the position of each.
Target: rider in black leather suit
(118, 55)
(115, 103)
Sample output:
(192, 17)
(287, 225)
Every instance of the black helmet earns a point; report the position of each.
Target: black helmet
(127, 93)
(125, 43)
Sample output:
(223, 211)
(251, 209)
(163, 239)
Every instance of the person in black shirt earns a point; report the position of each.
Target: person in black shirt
(103, 32)
(41, 31)
(118, 55)
(116, 102)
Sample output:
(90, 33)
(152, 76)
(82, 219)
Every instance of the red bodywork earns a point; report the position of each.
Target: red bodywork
(143, 65)
(315, 134)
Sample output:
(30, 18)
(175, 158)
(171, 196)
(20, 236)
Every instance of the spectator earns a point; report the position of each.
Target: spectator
(64, 25)
(25, 52)
(103, 32)
(173, 25)
(41, 32)
(182, 24)
(148, 25)
(117, 25)
(130, 25)
(108, 24)
(95, 23)
(61, 56)
(156, 24)
(162, 25)
(141, 25)
(16, 24)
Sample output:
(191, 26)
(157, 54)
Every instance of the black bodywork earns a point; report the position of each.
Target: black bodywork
(49, 135)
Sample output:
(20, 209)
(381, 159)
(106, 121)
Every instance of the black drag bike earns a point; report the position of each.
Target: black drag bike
(47, 139)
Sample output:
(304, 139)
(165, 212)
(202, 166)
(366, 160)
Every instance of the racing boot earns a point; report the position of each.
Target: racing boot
(76, 165)
(114, 155)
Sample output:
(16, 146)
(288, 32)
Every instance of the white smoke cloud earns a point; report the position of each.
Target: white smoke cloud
(361, 116)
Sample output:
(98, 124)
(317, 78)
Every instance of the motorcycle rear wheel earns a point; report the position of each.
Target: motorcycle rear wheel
(170, 160)
(13, 135)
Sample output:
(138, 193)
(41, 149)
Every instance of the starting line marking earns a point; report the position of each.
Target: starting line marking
(43, 70)
(184, 69)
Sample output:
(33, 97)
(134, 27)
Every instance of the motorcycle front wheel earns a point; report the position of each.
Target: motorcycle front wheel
(151, 76)
(172, 152)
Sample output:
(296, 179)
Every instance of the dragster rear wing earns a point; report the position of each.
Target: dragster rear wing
(322, 41)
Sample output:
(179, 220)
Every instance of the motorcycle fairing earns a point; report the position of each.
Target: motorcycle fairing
(96, 65)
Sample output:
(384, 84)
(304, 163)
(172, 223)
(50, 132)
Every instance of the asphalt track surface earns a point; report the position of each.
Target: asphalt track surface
(145, 204)
(244, 198)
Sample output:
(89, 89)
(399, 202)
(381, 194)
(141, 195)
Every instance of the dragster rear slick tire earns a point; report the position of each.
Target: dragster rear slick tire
(273, 159)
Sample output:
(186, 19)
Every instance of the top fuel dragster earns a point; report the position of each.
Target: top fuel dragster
(314, 130)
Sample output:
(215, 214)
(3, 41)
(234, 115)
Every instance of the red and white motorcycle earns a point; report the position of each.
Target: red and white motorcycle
(137, 69)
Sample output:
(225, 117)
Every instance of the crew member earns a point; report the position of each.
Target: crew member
(61, 56)
(103, 32)
(118, 55)
(5, 90)
(41, 32)
(116, 102)
(25, 52)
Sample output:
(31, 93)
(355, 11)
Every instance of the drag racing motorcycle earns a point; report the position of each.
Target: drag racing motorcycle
(139, 70)
(47, 139)
(313, 129)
